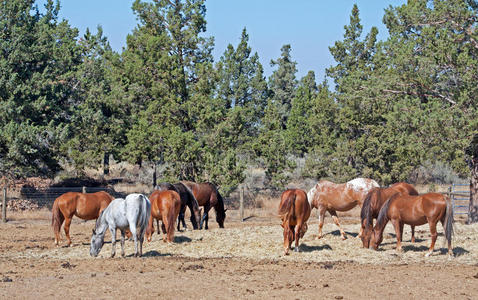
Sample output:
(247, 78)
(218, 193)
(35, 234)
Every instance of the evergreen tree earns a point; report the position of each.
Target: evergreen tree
(283, 84)
(37, 66)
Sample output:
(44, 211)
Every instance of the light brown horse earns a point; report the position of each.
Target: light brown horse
(208, 196)
(375, 200)
(165, 206)
(294, 211)
(86, 206)
(415, 210)
(332, 197)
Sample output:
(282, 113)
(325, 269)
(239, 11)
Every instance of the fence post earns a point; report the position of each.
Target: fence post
(4, 206)
(241, 202)
(84, 190)
(450, 195)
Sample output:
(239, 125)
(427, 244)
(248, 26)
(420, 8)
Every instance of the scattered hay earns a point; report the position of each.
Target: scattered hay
(265, 242)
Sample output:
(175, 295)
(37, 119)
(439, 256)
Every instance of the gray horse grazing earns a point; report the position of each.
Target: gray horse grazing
(131, 213)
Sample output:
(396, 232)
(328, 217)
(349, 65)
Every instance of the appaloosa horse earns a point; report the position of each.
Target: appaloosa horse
(208, 196)
(130, 213)
(332, 197)
(294, 211)
(165, 206)
(375, 200)
(187, 199)
(84, 206)
(415, 210)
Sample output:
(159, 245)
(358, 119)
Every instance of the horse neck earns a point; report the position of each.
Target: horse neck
(101, 224)
(220, 203)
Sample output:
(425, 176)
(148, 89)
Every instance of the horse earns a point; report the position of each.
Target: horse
(129, 213)
(374, 201)
(294, 211)
(187, 199)
(332, 197)
(415, 210)
(165, 206)
(84, 206)
(208, 196)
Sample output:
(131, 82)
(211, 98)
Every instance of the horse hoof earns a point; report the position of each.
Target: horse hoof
(428, 254)
(344, 238)
(319, 237)
(296, 249)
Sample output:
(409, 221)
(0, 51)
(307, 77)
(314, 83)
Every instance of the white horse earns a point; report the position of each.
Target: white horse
(131, 213)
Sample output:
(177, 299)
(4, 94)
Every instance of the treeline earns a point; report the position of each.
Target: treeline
(385, 110)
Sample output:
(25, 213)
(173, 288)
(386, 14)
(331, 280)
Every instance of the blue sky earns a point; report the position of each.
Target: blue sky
(309, 26)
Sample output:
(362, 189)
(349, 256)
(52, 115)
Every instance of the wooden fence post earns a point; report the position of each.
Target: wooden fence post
(84, 190)
(4, 206)
(241, 203)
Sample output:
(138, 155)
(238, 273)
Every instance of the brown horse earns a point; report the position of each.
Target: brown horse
(415, 210)
(165, 206)
(208, 196)
(84, 206)
(332, 197)
(294, 211)
(374, 201)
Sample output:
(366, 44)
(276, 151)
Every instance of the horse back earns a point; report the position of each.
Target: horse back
(294, 207)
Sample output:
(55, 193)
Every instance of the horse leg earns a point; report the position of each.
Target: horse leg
(433, 232)
(396, 225)
(132, 228)
(401, 231)
(413, 233)
(122, 242)
(205, 217)
(181, 219)
(163, 227)
(336, 221)
(291, 230)
(113, 242)
(157, 224)
(67, 230)
(321, 220)
(297, 236)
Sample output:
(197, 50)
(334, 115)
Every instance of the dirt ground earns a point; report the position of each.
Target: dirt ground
(242, 261)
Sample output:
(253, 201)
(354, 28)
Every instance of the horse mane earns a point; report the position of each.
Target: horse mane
(382, 218)
(366, 211)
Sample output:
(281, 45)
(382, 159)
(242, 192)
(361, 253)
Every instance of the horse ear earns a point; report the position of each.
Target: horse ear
(94, 232)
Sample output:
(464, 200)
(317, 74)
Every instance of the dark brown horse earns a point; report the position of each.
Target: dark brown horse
(374, 201)
(208, 196)
(84, 206)
(415, 210)
(333, 197)
(294, 211)
(187, 199)
(165, 206)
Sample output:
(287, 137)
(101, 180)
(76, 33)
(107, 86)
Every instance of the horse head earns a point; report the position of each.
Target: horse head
(97, 241)
(220, 217)
(376, 239)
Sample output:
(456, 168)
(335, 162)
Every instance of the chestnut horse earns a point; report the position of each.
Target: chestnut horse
(294, 211)
(187, 199)
(332, 197)
(165, 206)
(86, 206)
(415, 210)
(208, 196)
(375, 200)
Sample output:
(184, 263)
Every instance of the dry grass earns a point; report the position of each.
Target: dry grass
(265, 242)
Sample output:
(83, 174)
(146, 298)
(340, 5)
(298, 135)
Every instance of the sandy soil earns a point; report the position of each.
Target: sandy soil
(241, 261)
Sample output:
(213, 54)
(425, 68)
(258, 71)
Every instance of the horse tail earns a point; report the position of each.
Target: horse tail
(145, 208)
(171, 220)
(365, 212)
(57, 217)
(289, 210)
(448, 219)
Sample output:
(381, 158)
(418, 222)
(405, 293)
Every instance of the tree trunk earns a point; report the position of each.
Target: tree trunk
(473, 208)
(154, 176)
(106, 163)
